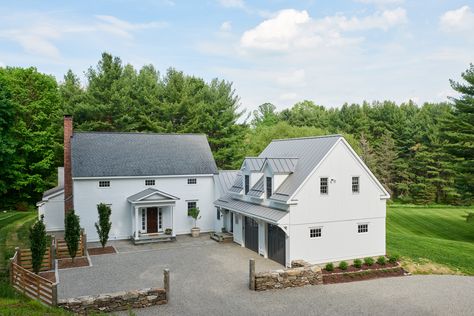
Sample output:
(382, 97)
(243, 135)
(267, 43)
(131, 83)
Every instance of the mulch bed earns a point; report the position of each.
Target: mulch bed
(101, 251)
(49, 275)
(78, 262)
(363, 268)
(365, 273)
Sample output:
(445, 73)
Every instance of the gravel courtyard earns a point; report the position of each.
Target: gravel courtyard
(208, 278)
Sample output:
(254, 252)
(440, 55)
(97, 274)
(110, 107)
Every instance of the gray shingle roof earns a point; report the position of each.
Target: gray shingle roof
(53, 191)
(249, 209)
(309, 151)
(97, 154)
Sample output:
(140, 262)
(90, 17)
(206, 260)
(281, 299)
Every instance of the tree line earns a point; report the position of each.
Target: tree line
(422, 154)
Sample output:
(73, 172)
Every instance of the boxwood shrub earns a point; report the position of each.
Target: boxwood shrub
(369, 261)
(329, 266)
(381, 260)
(357, 263)
(393, 258)
(343, 265)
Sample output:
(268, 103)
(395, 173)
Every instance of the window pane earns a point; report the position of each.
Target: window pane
(355, 184)
(247, 184)
(269, 187)
(192, 181)
(149, 182)
(323, 186)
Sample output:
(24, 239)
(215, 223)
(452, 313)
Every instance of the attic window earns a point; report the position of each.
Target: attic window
(355, 184)
(104, 184)
(247, 184)
(362, 228)
(150, 182)
(323, 186)
(269, 187)
(192, 181)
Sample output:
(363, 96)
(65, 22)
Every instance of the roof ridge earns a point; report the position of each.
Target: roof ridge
(139, 133)
(307, 137)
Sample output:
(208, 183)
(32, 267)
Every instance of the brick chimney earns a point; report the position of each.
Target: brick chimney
(68, 201)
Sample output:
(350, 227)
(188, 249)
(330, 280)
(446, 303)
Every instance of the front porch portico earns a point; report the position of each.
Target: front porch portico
(152, 214)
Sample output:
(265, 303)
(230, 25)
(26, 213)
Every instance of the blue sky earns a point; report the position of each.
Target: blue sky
(275, 51)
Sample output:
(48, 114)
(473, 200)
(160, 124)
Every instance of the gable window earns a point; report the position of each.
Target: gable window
(218, 215)
(104, 183)
(355, 184)
(247, 184)
(269, 187)
(323, 186)
(315, 232)
(150, 182)
(362, 228)
(192, 181)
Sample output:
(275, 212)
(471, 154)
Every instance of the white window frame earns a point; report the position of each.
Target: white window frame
(192, 181)
(327, 186)
(358, 184)
(361, 230)
(191, 201)
(150, 182)
(100, 182)
(315, 232)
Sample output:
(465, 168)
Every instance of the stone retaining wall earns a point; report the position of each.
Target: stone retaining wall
(300, 274)
(115, 301)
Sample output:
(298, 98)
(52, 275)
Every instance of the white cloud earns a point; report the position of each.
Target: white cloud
(293, 29)
(289, 96)
(292, 78)
(240, 4)
(226, 26)
(381, 2)
(460, 20)
(123, 28)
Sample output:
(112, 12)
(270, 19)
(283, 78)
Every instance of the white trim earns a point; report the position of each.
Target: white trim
(146, 177)
(47, 197)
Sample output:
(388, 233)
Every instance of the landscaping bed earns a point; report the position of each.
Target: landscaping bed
(78, 262)
(101, 251)
(364, 267)
(360, 275)
(48, 275)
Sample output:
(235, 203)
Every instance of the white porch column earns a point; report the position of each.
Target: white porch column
(136, 222)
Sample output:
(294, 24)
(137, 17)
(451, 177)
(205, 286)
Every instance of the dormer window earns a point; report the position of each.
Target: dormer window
(247, 183)
(269, 187)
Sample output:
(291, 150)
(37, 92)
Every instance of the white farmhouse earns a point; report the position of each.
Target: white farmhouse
(307, 198)
(304, 198)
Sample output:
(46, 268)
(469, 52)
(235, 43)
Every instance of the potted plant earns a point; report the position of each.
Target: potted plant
(194, 213)
(168, 231)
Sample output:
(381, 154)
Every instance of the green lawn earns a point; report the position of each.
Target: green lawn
(439, 234)
(14, 229)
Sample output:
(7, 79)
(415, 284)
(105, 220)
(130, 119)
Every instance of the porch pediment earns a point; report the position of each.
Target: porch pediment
(151, 195)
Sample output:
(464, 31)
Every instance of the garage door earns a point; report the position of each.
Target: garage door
(276, 244)
(251, 234)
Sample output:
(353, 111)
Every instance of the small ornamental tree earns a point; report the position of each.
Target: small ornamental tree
(38, 243)
(194, 213)
(104, 224)
(72, 233)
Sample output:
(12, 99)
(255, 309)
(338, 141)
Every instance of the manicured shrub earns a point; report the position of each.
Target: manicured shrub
(369, 261)
(343, 265)
(357, 263)
(72, 233)
(393, 258)
(381, 260)
(104, 224)
(329, 266)
(194, 213)
(38, 244)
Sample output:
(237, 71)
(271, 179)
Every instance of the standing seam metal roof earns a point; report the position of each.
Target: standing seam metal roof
(249, 209)
(107, 154)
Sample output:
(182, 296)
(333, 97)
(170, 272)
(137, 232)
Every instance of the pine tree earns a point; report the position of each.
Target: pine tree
(72, 233)
(104, 224)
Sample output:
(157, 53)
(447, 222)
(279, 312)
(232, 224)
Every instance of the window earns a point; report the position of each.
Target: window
(269, 187)
(192, 181)
(104, 184)
(149, 182)
(192, 204)
(355, 184)
(247, 184)
(160, 219)
(315, 232)
(323, 186)
(218, 214)
(362, 228)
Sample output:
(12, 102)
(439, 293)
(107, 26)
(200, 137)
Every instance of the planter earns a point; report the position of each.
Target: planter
(168, 231)
(195, 231)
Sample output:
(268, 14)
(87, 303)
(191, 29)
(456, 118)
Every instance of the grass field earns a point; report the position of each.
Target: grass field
(14, 229)
(439, 234)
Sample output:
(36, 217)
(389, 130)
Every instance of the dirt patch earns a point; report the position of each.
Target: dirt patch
(424, 266)
(363, 268)
(362, 275)
(49, 275)
(78, 262)
(101, 251)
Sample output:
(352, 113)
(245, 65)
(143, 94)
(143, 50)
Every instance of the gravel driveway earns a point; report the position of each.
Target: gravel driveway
(208, 278)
